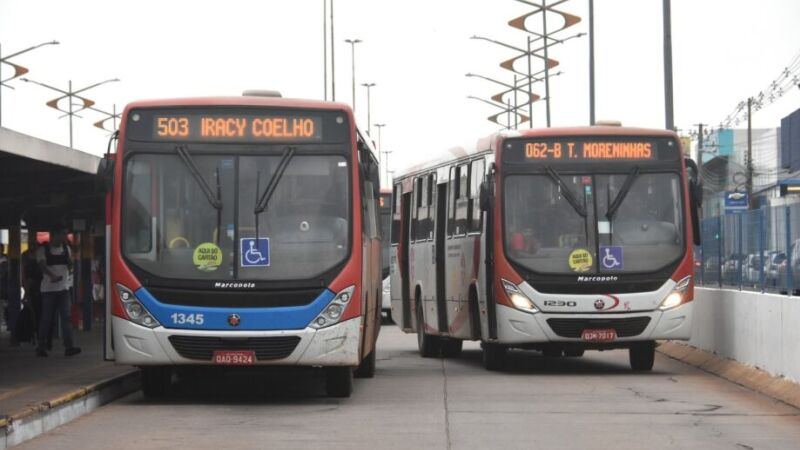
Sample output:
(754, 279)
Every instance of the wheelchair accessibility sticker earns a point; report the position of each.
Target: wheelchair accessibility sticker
(254, 252)
(611, 257)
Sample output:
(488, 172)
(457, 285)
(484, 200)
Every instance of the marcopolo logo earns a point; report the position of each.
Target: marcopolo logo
(585, 279)
(233, 285)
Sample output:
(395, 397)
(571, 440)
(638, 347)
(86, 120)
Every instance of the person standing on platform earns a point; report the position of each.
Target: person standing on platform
(55, 260)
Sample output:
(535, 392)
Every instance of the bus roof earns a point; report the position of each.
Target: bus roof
(456, 153)
(239, 101)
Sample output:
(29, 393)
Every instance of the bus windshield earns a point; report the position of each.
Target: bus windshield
(171, 229)
(546, 233)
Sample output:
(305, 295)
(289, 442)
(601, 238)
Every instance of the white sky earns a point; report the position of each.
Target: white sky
(417, 51)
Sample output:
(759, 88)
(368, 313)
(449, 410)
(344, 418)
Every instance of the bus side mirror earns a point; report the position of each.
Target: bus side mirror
(105, 174)
(695, 182)
(484, 197)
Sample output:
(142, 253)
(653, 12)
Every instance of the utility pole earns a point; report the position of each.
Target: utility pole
(700, 148)
(530, 85)
(591, 62)
(749, 152)
(670, 121)
(353, 43)
(333, 60)
(380, 157)
(325, 47)
(546, 62)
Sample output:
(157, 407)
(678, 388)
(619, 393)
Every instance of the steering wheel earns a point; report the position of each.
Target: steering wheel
(180, 239)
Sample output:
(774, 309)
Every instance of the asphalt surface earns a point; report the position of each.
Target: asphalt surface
(593, 402)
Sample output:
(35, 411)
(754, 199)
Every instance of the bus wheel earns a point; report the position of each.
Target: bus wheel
(574, 353)
(367, 367)
(551, 351)
(494, 356)
(451, 348)
(429, 346)
(642, 355)
(339, 381)
(156, 381)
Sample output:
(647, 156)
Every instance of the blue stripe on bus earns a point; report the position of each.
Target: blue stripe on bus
(251, 319)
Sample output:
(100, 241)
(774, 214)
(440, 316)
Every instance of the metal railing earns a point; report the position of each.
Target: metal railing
(756, 250)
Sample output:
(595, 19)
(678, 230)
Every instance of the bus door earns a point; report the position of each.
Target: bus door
(405, 220)
(440, 208)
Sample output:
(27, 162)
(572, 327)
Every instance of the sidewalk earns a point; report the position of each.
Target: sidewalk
(32, 386)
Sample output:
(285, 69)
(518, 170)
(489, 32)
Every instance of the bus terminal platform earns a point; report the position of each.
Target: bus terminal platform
(38, 394)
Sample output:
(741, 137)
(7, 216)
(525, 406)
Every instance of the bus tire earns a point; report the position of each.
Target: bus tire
(367, 367)
(339, 381)
(574, 353)
(494, 356)
(429, 346)
(156, 381)
(451, 348)
(551, 351)
(642, 355)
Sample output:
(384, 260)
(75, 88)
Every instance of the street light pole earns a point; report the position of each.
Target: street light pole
(353, 43)
(69, 95)
(380, 158)
(18, 70)
(546, 62)
(333, 59)
(325, 48)
(591, 62)
(670, 121)
(369, 86)
(386, 158)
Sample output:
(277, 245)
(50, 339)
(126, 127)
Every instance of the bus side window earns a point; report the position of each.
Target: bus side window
(462, 200)
(477, 176)
(431, 182)
(416, 207)
(452, 195)
(395, 231)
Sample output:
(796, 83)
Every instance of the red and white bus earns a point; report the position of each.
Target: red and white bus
(385, 212)
(243, 231)
(559, 240)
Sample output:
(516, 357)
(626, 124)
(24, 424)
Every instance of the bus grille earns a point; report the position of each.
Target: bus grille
(572, 328)
(203, 347)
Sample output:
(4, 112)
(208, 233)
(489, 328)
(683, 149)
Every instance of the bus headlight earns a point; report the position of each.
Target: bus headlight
(136, 311)
(333, 312)
(678, 295)
(518, 299)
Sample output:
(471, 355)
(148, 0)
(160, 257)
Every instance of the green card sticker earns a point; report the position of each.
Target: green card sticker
(207, 257)
(580, 260)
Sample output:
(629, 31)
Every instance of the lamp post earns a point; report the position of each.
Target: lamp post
(18, 70)
(69, 94)
(369, 86)
(386, 158)
(380, 158)
(353, 43)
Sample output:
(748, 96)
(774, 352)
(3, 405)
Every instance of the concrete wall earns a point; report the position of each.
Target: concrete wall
(762, 330)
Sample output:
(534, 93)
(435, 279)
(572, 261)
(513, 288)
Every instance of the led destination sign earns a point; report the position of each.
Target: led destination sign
(582, 149)
(215, 127)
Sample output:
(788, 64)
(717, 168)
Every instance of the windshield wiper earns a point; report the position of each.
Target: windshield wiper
(566, 191)
(188, 161)
(626, 187)
(263, 200)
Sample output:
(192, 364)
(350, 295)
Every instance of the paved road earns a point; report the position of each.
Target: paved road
(593, 402)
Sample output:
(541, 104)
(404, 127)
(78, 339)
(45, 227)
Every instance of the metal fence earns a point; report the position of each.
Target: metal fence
(755, 250)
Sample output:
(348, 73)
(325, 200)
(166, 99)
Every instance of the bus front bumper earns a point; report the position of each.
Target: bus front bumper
(518, 327)
(337, 345)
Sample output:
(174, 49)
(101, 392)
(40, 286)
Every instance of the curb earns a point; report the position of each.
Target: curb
(40, 418)
(753, 378)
